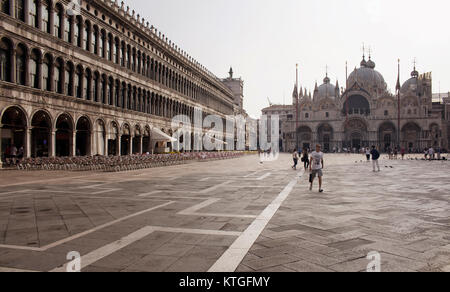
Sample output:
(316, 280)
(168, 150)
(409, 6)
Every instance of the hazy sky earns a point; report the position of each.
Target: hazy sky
(263, 40)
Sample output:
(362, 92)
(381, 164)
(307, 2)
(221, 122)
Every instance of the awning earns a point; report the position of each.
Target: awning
(159, 136)
(216, 140)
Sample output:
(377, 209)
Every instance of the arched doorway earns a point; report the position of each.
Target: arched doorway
(64, 136)
(125, 140)
(305, 137)
(40, 134)
(387, 136)
(411, 136)
(113, 141)
(13, 129)
(83, 137)
(356, 134)
(137, 140)
(100, 137)
(325, 133)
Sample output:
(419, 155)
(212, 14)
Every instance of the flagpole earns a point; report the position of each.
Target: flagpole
(296, 108)
(398, 96)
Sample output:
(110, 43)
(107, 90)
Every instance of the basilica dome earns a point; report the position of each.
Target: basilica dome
(326, 90)
(367, 77)
(411, 85)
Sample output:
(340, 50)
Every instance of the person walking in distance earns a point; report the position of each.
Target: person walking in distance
(316, 166)
(368, 154)
(295, 158)
(375, 157)
(305, 158)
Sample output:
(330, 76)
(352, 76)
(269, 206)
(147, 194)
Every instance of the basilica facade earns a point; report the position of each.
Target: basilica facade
(97, 80)
(364, 114)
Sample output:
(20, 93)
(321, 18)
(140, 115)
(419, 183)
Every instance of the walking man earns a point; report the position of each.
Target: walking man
(316, 167)
(295, 157)
(375, 157)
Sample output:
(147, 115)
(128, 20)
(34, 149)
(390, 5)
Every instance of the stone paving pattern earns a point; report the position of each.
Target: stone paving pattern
(403, 213)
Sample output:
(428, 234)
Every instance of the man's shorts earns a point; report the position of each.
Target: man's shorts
(317, 172)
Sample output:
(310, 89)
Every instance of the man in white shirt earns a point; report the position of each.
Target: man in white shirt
(316, 166)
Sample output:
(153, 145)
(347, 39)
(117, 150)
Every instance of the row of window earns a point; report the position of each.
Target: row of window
(89, 37)
(56, 75)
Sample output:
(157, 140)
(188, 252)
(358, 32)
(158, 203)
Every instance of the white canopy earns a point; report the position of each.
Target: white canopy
(216, 140)
(159, 136)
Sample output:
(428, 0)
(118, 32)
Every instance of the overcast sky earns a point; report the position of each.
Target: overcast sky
(263, 40)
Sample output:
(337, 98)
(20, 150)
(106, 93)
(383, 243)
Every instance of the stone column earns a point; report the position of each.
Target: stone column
(141, 140)
(39, 14)
(73, 144)
(27, 146)
(106, 143)
(93, 143)
(72, 31)
(130, 151)
(26, 12)
(39, 72)
(52, 146)
(27, 68)
(119, 144)
(13, 66)
(51, 20)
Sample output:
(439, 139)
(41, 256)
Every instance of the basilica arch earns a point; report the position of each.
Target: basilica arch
(411, 133)
(325, 135)
(387, 136)
(356, 134)
(305, 137)
(356, 104)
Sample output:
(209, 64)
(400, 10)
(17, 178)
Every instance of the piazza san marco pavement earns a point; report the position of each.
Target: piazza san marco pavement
(229, 215)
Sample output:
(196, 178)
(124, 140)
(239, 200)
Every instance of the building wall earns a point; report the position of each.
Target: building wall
(325, 120)
(116, 72)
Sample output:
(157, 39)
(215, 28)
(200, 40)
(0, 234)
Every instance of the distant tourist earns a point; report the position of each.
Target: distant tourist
(438, 152)
(305, 158)
(431, 153)
(403, 152)
(368, 154)
(316, 167)
(375, 157)
(426, 153)
(295, 158)
(20, 153)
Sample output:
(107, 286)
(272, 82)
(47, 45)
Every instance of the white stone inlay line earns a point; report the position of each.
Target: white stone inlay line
(12, 270)
(113, 247)
(109, 249)
(15, 192)
(264, 176)
(251, 174)
(213, 188)
(234, 255)
(149, 194)
(205, 179)
(193, 211)
(68, 239)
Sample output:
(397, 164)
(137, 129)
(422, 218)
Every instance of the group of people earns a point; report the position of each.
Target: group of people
(432, 154)
(11, 152)
(315, 163)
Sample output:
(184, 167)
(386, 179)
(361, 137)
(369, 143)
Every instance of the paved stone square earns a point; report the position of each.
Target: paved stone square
(229, 215)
